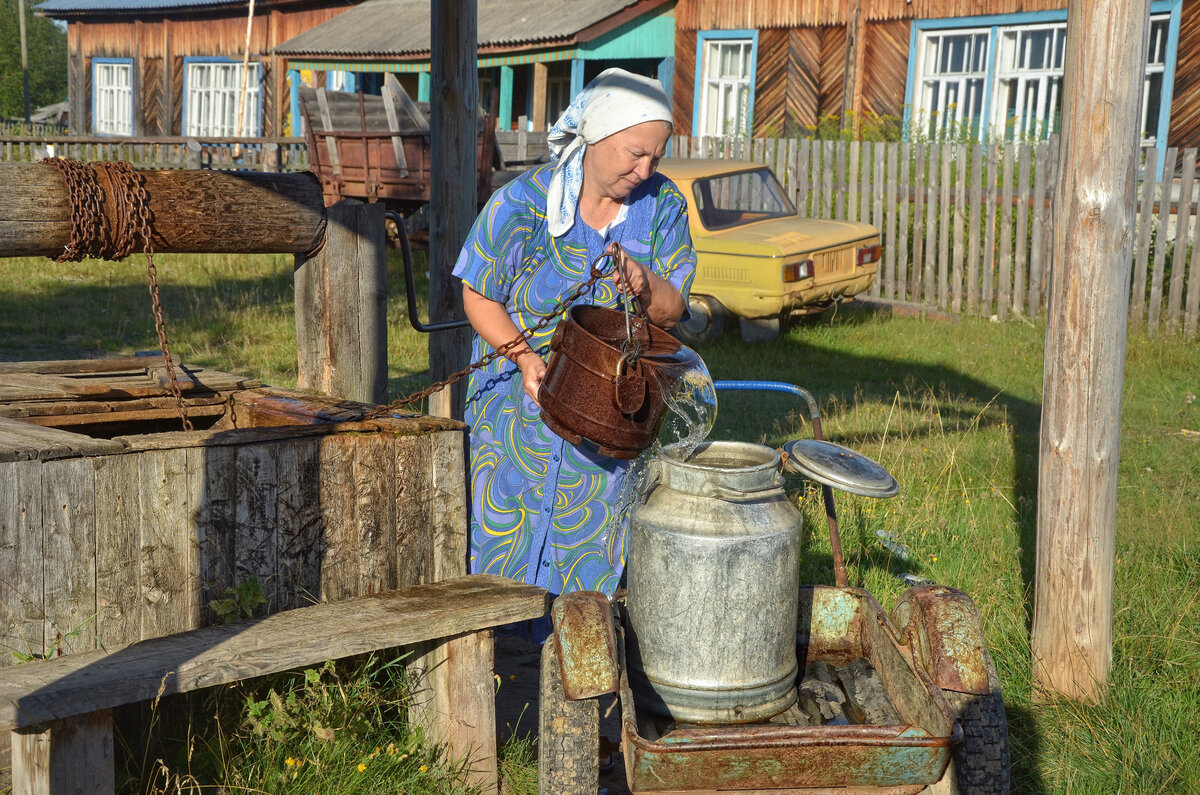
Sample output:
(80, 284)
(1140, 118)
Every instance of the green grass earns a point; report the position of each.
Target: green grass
(951, 409)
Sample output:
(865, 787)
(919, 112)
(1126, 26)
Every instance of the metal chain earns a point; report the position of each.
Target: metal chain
(561, 306)
(89, 237)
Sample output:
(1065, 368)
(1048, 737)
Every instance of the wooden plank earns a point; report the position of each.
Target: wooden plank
(69, 755)
(339, 561)
(118, 550)
(1161, 241)
(22, 630)
(37, 412)
(69, 547)
(839, 204)
(852, 179)
(943, 263)
(974, 218)
(803, 174)
(1192, 307)
(1004, 286)
(1179, 258)
(93, 680)
(817, 196)
(989, 239)
(215, 523)
(960, 218)
(122, 364)
(864, 195)
(893, 209)
(165, 541)
(929, 295)
(1021, 260)
(392, 91)
(877, 188)
(256, 517)
(22, 441)
(1137, 297)
(300, 535)
(899, 288)
(414, 525)
(448, 504)
(1037, 245)
(374, 470)
(920, 152)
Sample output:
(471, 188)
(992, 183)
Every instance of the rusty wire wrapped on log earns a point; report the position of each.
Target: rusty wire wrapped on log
(240, 212)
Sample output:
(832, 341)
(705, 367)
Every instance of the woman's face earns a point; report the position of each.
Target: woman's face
(619, 163)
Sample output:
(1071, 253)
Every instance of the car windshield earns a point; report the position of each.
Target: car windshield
(742, 198)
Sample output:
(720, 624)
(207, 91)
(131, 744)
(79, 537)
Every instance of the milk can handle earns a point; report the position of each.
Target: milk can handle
(739, 495)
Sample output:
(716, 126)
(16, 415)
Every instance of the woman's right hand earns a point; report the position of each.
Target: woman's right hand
(533, 371)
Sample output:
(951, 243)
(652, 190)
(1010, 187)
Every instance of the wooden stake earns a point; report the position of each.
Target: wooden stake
(1085, 348)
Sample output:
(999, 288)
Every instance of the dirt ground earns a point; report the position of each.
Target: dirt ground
(518, 663)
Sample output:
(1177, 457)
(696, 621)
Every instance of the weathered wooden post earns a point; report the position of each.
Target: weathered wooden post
(341, 307)
(1085, 347)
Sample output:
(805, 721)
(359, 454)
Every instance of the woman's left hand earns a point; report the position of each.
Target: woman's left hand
(629, 271)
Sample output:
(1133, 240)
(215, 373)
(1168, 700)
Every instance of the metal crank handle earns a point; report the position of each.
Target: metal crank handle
(410, 285)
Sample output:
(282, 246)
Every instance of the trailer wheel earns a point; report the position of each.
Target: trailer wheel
(568, 735)
(979, 764)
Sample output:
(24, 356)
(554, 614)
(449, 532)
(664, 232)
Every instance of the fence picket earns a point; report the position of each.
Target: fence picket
(827, 187)
(839, 204)
(975, 218)
(1192, 311)
(1021, 218)
(852, 179)
(1179, 258)
(815, 193)
(943, 263)
(888, 288)
(988, 281)
(877, 190)
(803, 176)
(1037, 258)
(928, 287)
(918, 244)
(1160, 244)
(897, 288)
(1004, 285)
(960, 215)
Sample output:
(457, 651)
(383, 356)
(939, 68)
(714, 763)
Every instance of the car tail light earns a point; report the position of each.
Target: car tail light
(869, 254)
(797, 271)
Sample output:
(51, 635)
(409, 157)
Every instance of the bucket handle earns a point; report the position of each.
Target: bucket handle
(740, 495)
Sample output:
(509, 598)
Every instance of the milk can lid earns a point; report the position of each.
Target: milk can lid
(840, 467)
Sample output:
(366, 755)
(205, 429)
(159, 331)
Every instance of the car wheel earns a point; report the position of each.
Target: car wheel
(707, 320)
(760, 329)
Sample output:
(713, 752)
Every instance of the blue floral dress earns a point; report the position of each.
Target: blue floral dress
(542, 510)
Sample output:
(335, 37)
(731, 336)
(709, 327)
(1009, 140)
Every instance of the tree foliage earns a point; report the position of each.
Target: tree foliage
(47, 46)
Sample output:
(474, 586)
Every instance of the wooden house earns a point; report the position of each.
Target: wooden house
(180, 67)
(779, 67)
(535, 54)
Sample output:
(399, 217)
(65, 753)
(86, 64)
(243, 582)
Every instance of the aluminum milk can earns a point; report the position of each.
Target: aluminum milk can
(713, 586)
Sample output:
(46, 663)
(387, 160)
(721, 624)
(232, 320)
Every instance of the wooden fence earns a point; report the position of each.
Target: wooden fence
(967, 228)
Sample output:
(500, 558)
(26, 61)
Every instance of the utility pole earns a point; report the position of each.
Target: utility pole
(1084, 367)
(24, 54)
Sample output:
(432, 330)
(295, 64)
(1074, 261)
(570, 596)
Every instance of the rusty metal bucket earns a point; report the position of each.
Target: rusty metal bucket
(605, 379)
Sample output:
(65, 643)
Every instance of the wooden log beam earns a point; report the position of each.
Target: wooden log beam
(1085, 348)
(236, 212)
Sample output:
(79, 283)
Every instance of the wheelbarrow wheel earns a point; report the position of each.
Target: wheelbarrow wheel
(979, 764)
(568, 735)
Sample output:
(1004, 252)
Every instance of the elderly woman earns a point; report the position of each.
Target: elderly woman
(542, 510)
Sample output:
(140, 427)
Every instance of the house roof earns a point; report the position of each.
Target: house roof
(64, 8)
(398, 28)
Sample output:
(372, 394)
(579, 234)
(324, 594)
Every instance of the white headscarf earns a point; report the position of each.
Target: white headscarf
(614, 101)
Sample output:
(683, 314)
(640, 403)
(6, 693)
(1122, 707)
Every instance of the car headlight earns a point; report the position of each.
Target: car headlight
(869, 254)
(796, 271)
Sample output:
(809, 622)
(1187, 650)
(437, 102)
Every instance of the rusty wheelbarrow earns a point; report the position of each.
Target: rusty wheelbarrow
(948, 734)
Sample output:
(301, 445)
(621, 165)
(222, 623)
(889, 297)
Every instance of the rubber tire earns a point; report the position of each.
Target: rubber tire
(763, 329)
(707, 322)
(568, 735)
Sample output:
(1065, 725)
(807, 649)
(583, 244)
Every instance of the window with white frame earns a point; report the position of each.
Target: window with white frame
(216, 102)
(1022, 65)
(112, 94)
(725, 89)
(953, 77)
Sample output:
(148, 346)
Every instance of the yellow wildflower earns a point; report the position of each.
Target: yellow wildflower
(361, 767)
(424, 768)
(289, 761)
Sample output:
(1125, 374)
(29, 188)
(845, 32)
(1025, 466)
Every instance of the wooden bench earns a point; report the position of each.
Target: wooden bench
(60, 711)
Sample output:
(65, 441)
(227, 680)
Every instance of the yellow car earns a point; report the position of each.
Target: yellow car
(756, 258)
